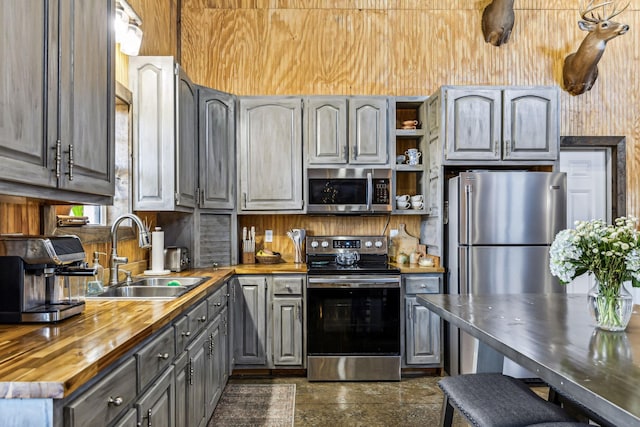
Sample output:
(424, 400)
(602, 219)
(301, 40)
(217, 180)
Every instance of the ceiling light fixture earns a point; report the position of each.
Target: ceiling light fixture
(128, 29)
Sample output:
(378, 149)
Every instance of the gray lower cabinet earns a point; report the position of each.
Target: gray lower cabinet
(181, 372)
(196, 368)
(129, 419)
(157, 406)
(268, 325)
(58, 133)
(422, 327)
(270, 152)
(250, 322)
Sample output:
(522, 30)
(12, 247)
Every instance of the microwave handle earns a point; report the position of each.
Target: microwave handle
(369, 191)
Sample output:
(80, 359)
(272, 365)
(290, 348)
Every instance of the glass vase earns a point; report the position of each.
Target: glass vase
(610, 306)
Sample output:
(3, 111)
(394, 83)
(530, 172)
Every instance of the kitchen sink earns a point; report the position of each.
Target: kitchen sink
(151, 288)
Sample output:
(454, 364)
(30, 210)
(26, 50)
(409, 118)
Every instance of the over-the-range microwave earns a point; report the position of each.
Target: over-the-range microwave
(349, 190)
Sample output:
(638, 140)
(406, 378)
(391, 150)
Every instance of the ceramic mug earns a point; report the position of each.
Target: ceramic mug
(417, 205)
(400, 159)
(417, 198)
(403, 198)
(409, 124)
(403, 205)
(413, 156)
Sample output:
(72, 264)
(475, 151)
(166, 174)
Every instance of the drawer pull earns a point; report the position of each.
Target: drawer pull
(218, 304)
(186, 334)
(164, 356)
(202, 319)
(115, 402)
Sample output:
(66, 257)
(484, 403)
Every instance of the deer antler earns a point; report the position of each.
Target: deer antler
(588, 13)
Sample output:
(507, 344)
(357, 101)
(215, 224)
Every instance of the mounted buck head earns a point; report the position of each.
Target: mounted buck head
(580, 69)
(497, 21)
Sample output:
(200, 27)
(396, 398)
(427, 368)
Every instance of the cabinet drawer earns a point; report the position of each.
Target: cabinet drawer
(182, 334)
(422, 285)
(288, 285)
(103, 402)
(155, 357)
(197, 318)
(216, 301)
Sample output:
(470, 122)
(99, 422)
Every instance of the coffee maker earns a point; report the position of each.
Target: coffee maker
(36, 273)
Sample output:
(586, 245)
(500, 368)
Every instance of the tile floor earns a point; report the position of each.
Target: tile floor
(414, 401)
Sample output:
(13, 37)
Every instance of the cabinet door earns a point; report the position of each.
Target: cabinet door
(422, 334)
(368, 124)
(196, 416)
(129, 419)
(287, 331)
(156, 407)
(214, 374)
(250, 332)
(473, 124)
(87, 96)
(530, 124)
(270, 140)
(326, 130)
(187, 140)
(216, 136)
(26, 148)
(181, 370)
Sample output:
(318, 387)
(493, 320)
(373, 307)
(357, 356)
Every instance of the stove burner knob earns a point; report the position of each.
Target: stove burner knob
(368, 244)
(378, 243)
(325, 244)
(314, 243)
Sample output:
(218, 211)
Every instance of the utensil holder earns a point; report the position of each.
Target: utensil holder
(248, 258)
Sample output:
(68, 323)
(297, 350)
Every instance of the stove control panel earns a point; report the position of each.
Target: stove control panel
(336, 244)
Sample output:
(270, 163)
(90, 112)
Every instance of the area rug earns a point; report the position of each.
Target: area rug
(243, 405)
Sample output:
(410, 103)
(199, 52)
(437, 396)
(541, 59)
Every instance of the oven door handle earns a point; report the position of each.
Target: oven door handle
(390, 282)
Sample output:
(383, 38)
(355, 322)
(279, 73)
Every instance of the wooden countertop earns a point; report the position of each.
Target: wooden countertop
(53, 360)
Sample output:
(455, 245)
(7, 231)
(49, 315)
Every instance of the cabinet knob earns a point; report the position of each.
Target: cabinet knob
(164, 356)
(218, 304)
(117, 401)
(202, 319)
(186, 334)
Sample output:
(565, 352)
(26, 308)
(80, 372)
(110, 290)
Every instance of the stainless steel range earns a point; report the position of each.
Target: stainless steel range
(353, 310)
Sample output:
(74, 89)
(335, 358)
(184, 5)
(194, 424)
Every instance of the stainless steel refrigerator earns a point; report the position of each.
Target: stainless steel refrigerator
(500, 227)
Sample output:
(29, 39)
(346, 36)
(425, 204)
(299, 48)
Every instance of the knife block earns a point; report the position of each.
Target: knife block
(248, 258)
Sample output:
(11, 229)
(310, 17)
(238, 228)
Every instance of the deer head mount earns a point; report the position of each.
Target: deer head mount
(497, 21)
(580, 69)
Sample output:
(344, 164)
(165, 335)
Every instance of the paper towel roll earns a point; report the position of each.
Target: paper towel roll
(157, 250)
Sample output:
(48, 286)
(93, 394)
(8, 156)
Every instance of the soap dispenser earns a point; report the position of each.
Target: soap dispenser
(96, 284)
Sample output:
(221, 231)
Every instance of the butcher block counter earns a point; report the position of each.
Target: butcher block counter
(52, 360)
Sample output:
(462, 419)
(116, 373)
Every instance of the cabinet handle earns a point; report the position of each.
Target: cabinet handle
(507, 148)
(186, 334)
(117, 401)
(164, 356)
(218, 304)
(149, 418)
(58, 157)
(202, 319)
(71, 162)
(190, 367)
(496, 148)
(210, 345)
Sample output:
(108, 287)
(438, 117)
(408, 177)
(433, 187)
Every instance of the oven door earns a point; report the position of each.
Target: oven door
(353, 316)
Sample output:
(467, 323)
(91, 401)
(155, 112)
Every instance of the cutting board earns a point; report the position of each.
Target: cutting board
(404, 242)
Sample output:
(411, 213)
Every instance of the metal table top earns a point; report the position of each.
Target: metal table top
(555, 337)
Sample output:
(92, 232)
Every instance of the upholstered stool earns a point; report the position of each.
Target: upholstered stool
(561, 424)
(496, 400)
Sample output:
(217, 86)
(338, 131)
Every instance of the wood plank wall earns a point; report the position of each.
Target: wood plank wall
(411, 47)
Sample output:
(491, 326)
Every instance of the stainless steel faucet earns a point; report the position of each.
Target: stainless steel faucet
(143, 240)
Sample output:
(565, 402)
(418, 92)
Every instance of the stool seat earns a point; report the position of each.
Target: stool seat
(496, 400)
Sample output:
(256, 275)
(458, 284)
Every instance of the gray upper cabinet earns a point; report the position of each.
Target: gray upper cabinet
(216, 136)
(164, 135)
(270, 154)
(495, 124)
(57, 123)
(342, 130)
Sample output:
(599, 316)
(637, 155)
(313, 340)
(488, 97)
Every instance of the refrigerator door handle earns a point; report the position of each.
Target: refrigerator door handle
(468, 189)
(465, 279)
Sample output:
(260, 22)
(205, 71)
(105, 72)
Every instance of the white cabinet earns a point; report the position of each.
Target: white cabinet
(164, 135)
(270, 154)
(57, 119)
(422, 335)
(495, 124)
(346, 130)
(281, 344)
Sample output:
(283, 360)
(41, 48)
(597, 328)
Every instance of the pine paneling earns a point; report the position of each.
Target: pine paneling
(411, 47)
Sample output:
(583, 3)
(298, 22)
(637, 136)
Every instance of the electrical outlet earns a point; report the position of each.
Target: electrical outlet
(393, 232)
(268, 236)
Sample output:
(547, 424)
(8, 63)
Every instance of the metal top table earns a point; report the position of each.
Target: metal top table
(555, 337)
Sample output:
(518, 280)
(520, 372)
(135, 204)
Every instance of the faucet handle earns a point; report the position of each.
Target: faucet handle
(119, 259)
